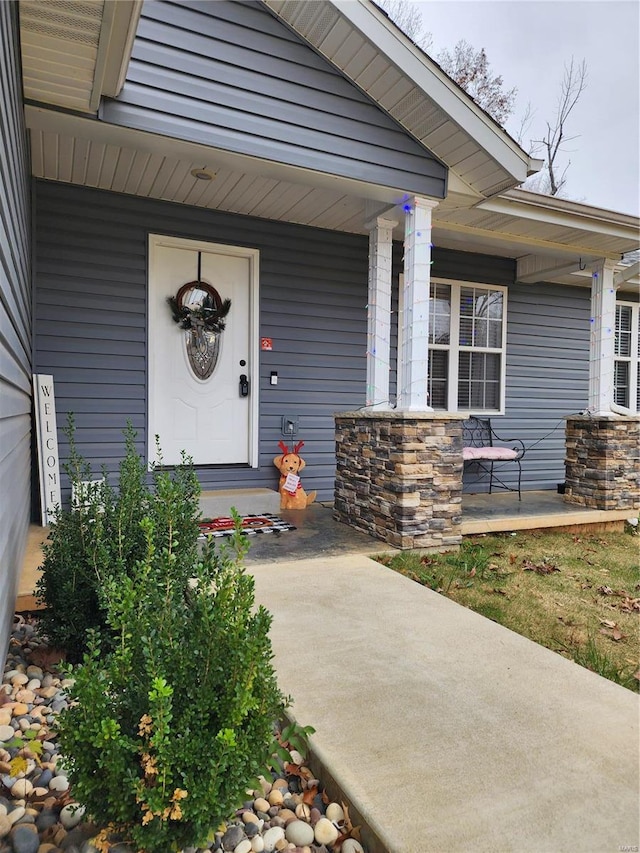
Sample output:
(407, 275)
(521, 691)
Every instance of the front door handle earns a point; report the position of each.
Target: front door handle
(244, 385)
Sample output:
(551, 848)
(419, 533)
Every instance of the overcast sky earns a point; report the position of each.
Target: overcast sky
(528, 42)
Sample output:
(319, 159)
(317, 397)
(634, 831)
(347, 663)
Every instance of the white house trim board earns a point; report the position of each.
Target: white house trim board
(602, 342)
(625, 274)
(379, 312)
(119, 24)
(414, 354)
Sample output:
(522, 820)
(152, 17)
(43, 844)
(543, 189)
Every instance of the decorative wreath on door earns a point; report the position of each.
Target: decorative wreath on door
(198, 309)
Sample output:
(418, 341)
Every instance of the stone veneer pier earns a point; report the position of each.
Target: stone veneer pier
(603, 461)
(399, 476)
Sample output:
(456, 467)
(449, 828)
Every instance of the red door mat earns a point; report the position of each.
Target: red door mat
(251, 525)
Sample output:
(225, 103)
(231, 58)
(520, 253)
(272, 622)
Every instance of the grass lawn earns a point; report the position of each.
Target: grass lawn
(577, 594)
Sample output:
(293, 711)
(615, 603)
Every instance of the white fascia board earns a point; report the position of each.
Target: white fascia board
(55, 121)
(119, 25)
(567, 214)
(410, 60)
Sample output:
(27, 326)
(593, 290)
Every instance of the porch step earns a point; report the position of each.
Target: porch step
(245, 501)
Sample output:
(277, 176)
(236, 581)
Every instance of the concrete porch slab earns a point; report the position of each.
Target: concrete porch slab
(449, 732)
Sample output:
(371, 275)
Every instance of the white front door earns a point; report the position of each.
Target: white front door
(213, 420)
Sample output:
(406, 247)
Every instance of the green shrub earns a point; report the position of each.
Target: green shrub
(99, 537)
(167, 728)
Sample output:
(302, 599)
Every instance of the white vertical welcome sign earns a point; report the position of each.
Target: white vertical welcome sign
(47, 441)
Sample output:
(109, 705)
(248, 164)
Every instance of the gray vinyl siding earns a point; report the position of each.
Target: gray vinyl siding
(91, 294)
(230, 75)
(15, 323)
(548, 333)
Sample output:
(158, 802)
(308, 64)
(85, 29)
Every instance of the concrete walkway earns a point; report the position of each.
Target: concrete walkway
(448, 732)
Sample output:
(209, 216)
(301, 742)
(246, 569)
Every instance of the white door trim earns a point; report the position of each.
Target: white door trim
(253, 256)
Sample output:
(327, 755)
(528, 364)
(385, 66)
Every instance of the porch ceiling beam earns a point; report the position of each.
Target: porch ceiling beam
(626, 274)
(558, 249)
(531, 206)
(534, 268)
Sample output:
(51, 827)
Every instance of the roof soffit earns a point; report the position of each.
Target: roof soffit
(73, 53)
(359, 40)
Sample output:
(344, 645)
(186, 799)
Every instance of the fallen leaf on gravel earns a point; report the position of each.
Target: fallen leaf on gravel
(309, 795)
(543, 568)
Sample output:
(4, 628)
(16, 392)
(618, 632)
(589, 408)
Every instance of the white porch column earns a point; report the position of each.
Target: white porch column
(601, 346)
(379, 312)
(412, 393)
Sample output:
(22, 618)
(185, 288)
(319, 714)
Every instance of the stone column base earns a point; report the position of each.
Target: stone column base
(399, 476)
(603, 461)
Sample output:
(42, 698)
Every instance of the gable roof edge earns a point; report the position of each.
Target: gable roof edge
(316, 23)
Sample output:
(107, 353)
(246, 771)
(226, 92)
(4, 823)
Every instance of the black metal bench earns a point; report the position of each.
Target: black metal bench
(487, 458)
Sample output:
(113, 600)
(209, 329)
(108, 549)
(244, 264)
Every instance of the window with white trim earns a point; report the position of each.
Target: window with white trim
(626, 372)
(467, 346)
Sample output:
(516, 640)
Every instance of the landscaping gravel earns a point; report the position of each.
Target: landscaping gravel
(38, 813)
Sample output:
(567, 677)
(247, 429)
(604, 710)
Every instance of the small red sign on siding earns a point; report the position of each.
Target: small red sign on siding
(266, 344)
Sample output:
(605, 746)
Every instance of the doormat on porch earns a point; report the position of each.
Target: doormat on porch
(251, 525)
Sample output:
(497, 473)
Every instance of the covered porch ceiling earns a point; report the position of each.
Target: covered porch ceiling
(73, 54)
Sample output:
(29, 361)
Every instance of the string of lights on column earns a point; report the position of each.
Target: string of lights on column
(379, 313)
(602, 346)
(415, 340)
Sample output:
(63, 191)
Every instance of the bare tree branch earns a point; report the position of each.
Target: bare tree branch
(408, 17)
(573, 85)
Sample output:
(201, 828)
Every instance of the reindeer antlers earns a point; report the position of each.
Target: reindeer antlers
(283, 447)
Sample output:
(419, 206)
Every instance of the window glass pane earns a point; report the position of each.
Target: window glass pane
(479, 381)
(438, 378)
(495, 334)
(495, 304)
(480, 332)
(481, 317)
(623, 330)
(621, 383)
(466, 332)
(440, 314)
